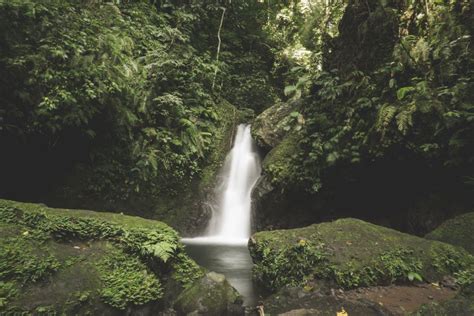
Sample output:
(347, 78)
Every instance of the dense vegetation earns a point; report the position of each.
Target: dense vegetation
(380, 112)
(121, 97)
(407, 90)
(360, 108)
(126, 102)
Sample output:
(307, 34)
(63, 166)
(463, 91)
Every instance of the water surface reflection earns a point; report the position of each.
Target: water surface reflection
(231, 260)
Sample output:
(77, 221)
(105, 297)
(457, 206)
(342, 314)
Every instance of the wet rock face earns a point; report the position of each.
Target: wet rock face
(456, 231)
(211, 295)
(274, 209)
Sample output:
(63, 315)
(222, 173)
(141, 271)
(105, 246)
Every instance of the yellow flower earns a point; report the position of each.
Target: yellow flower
(302, 242)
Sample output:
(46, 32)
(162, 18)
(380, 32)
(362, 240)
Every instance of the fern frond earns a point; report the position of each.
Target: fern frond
(386, 114)
(405, 118)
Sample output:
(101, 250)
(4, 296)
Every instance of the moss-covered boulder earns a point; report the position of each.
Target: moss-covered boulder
(456, 231)
(350, 253)
(211, 295)
(300, 302)
(78, 262)
(459, 306)
(462, 304)
(270, 127)
(279, 205)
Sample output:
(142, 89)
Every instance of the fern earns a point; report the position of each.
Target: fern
(162, 250)
(386, 114)
(405, 118)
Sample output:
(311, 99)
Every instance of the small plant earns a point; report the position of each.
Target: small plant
(291, 265)
(127, 282)
(413, 276)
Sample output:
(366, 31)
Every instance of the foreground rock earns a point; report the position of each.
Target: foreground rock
(456, 231)
(462, 304)
(350, 253)
(299, 302)
(76, 262)
(211, 295)
(362, 268)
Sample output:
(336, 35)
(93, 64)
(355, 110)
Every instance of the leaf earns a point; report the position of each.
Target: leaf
(392, 83)
(163, 250)
(332, 157)
(402, 92)
(414, 276)
(289, 90)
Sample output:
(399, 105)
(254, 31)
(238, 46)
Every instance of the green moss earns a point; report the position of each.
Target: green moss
(127, 281)
(456, 231)
(279, 161)
(186, 271)
(8, 290)
(352, 253)
(135, 234)
(81, 261)
(25, 261)
(289, 265)
(460, 305)
(229, 117)
(211, 295)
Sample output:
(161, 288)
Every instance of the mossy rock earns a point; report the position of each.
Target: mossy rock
(211, 295)
(278, 163)
(298, 302)
(462, 304)
(82, 262)
(458, 306)
(268, 128)
(350, 253)
(456, 231)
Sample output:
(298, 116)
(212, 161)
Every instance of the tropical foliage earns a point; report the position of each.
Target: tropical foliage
(415, 100)
(125, 93)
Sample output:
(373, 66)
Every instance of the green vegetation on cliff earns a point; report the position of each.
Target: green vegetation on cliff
(383, 129)
(397, 80)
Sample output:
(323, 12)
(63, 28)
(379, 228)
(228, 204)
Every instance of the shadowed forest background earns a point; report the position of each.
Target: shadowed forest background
(360, 108)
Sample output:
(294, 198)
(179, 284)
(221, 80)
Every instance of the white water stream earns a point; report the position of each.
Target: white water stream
(224, 246)
(230, 222)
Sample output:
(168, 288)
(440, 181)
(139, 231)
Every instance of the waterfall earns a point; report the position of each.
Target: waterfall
(230, 222)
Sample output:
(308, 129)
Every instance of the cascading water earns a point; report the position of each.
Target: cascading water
(230, 222)
(224, 247)
(241, 171)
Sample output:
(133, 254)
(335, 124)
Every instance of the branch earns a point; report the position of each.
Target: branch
(218, 47)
